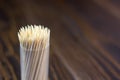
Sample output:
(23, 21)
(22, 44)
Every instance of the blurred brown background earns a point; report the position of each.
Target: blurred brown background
(85, 37)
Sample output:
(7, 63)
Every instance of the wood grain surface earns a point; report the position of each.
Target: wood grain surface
(85, 37)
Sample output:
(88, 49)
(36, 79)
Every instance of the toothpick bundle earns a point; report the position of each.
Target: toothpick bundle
(34, 52)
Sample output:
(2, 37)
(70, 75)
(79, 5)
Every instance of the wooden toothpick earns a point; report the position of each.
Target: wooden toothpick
(34, 52)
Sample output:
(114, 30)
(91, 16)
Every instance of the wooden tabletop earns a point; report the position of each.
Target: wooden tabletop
(85, 37)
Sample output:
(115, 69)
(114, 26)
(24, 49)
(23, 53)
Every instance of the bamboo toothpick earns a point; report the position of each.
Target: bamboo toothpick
(34, 52)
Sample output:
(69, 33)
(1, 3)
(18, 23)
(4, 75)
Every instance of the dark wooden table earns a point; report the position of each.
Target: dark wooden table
(85, 37)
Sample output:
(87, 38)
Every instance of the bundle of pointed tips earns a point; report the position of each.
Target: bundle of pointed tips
(32, 33)
(34, 52)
